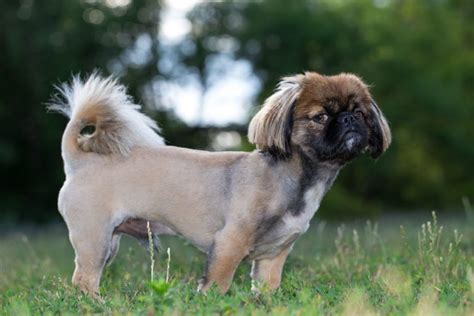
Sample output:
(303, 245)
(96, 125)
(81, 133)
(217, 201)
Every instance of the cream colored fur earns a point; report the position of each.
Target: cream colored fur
(231, 205)
(104, 104)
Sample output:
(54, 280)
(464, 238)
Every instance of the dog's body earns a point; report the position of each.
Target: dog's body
(168, 183)
(231, 205)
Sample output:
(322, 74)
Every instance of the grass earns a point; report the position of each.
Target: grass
(399, 266)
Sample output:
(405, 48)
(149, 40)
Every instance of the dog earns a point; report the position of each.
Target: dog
(233, 206)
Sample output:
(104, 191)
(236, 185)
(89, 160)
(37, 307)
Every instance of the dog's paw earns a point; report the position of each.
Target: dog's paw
(260, 288)
(256, 288)
(203, 285)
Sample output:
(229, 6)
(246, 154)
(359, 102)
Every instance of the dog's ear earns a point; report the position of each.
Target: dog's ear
(270, 129)
(380, 135)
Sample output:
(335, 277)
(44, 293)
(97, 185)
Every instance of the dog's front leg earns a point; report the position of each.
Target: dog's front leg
(231, 245)
(267, 272)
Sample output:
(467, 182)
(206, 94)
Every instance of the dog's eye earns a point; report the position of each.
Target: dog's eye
(359, 113)
(321, 118)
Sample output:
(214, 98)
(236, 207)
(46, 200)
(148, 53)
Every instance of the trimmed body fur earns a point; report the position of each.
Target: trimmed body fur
(231, 205)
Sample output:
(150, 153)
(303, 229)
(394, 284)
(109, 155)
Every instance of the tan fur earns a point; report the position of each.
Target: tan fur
(107, 134)
(268, 127)
(267, 272)
(231, 245)
(232, 205)
(318, 90)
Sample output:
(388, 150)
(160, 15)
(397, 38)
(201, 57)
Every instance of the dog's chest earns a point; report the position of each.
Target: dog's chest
(312, 198)
(284, 233)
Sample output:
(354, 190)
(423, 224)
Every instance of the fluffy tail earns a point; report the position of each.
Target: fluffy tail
(103, 118)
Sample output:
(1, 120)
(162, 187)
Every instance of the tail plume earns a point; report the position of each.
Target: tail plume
(103, 117)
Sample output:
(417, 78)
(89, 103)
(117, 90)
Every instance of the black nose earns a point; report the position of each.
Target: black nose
(346, 118)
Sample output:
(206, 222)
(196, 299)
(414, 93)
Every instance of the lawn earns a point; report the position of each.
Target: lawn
(402, 265)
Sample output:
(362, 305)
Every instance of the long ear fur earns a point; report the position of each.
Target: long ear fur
(381, 136)
(270, 129)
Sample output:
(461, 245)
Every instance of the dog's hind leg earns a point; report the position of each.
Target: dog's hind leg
(230, 246)
(93, 247)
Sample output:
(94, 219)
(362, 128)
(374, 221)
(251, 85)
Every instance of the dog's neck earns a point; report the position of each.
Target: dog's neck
(313, 169)
(311, 179)
(305, 183)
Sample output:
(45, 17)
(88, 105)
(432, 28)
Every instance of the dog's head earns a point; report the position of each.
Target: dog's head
(329, 118)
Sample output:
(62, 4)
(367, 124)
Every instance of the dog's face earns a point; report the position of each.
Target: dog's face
(329, 118)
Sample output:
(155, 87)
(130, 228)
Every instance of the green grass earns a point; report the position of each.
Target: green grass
(352, 269)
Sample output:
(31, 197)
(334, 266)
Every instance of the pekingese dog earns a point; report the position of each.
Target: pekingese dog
(231, 205)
